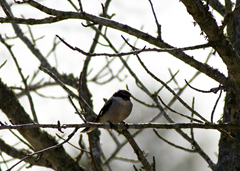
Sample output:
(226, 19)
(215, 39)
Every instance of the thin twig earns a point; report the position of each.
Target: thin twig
(50, 97)
(71, 93)
(172, 144)
(191, 118)
(73, 5)
(80, 5)
(202, 91)
(104, 14)
(4, 161)
(143, 103)
(116, 51)
(215, 89)
(192, 114)
(172, 78)
(79, 114)
(114, 137)
(144, 49)
(80, 149)
(156, 20)
(218, 7)
(135, 168)
(102, 54)
(215, 105)
(31, 34)
(153, 165)
(81, 144)
(229, 17)
(91, 152)
(21, 139)
(3, 64)
(170, 90)
(58, 81)
(125, 159)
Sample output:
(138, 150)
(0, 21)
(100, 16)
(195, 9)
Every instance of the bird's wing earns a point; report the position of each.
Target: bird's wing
(104, 109)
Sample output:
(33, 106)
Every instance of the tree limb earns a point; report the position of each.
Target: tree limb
(37, 138)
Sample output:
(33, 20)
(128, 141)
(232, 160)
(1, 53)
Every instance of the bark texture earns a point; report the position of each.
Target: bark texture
(38, 139)
(229, 151)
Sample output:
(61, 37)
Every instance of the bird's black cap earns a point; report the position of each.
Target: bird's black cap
(123, 94)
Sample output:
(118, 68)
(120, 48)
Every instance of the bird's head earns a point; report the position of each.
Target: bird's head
(123, 94)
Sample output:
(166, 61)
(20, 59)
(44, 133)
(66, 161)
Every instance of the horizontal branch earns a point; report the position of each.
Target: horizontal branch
(31, 21)
(137, 51)
(129, 126)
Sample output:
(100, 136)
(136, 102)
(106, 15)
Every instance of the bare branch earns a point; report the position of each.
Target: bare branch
(79, 114)
(31, 21)
(71, 93)
(137, 150)
(192, 114)
(135, 52)
(172, 144)
(9, 15)
(215, 105)
(80, 5)
(216, 5)
(80, 149)
(3, 64)
(74, 6)
(191, 118)
(229, 17)
(156, 20)
(130, 126)
(214, 90)
(21, 140)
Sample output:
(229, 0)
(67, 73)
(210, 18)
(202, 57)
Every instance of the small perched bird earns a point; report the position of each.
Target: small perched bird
(115, 110)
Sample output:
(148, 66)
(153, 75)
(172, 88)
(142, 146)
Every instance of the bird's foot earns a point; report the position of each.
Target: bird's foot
(111, 125)
(125, 125)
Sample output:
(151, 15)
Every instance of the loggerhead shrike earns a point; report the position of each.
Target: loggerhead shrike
(115, 110)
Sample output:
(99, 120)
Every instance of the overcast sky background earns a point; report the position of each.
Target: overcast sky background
(177, 29)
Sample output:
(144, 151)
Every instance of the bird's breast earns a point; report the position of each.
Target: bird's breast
(119, 110)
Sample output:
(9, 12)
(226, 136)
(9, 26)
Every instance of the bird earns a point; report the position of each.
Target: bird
(115, 110)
